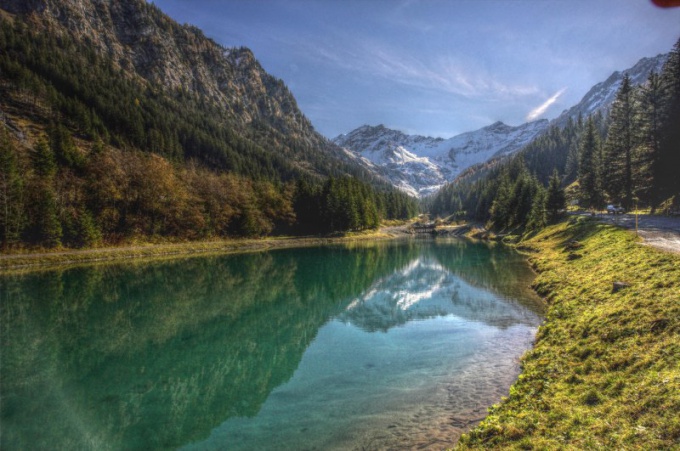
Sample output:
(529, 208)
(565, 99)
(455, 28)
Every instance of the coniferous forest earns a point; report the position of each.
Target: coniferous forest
(91, 153)
(628, 157)
(111, 158)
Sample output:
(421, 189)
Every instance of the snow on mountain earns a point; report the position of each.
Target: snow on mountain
(426, 289)
(420, 165)
(601, 96)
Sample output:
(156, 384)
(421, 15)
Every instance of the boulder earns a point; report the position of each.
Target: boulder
(618, 286)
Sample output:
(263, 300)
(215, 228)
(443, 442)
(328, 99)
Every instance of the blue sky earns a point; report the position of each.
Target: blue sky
(435, 67)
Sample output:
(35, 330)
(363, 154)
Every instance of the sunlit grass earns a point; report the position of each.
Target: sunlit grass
(605, 370)
(27, 260)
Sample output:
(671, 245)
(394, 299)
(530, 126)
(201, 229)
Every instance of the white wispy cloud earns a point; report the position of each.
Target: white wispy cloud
(539, 110)
(444, 73)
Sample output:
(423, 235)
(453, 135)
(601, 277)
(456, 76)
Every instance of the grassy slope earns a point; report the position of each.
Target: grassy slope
(605, 370)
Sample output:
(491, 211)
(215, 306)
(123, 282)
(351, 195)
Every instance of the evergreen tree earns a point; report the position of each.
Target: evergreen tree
(589, 169)
(648, 123)
(500, 211)
(537, 218)
(571, 164)
(44, 163)
(617, 169)
(63, 147)
(556, 200)
(45, 226)
(667, 162)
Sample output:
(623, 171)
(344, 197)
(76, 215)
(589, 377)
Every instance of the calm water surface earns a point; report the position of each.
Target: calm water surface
(391, 345)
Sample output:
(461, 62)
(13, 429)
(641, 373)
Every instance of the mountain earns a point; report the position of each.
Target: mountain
(601, 96)
(147, 45)
(251, 119)
(426, 289)
(420, 165)
(497, 190)
(117, 123)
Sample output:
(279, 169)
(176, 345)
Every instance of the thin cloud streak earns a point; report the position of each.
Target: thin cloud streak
(443, 74)
(538, 111)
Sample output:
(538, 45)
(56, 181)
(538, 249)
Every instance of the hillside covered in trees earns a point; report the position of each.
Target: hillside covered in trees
(102, 141)
(629, 156)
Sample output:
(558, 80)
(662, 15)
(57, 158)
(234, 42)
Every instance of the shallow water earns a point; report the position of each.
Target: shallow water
(395, 345)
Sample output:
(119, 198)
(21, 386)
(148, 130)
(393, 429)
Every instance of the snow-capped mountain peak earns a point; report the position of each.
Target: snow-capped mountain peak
(420, 165)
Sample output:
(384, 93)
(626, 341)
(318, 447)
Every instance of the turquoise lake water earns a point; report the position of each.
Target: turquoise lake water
(386, 345)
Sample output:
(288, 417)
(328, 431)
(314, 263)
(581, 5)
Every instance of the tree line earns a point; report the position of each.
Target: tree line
(639, 158)
(59, 193)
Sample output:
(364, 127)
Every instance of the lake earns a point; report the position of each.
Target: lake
(393, 344)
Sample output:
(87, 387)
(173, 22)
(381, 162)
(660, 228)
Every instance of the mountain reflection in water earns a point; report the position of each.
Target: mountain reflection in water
(426, 289)
(158, 355)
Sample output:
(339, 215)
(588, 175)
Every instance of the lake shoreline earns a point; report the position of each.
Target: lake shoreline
(602, 372)
(315, 347)
(36, 261)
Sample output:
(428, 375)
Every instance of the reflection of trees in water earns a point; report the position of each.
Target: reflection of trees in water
(490, 266)
(475, 282)
(155, 356)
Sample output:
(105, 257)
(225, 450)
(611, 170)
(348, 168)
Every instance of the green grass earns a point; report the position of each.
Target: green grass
(29, 260)
(605, 370)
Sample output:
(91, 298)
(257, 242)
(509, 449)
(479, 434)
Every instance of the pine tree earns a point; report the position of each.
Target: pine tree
(500, 210)
(556, 200)
(46, 227)
(617, 170)
(537, 218)
(665, 167)
(590, 167)
(571, 163)
(44, 163)
(648, 124)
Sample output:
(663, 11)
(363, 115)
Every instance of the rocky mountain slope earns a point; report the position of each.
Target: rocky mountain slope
(420, 165)
(117, 124)
(143, 42)
(179, 65)
(601, 96)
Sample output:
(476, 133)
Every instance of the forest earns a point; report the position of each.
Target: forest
(112, 159)
(628, 157)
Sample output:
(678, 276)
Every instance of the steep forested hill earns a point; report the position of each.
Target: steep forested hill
(119, 122)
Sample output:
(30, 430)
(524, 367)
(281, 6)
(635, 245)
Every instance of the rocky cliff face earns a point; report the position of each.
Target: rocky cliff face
(148, 45)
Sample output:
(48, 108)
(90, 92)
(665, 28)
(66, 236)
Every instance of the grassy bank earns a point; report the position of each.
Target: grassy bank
(145, 251)
(605, 370)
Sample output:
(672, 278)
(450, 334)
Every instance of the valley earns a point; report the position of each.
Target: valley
(206, 243)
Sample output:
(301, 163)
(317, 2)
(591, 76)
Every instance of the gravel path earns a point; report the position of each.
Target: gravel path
(662, 232)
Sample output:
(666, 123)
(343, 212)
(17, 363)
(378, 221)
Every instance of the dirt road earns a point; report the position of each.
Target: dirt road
(662, 232)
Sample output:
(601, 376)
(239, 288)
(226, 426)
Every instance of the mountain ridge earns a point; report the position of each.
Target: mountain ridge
(425, 165)
(117, 123)
(601, 95)
(419, 165)
(141, 40)
(145, 45)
